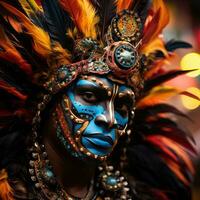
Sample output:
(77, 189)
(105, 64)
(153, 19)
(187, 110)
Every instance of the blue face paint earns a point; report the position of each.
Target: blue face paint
(96, 101)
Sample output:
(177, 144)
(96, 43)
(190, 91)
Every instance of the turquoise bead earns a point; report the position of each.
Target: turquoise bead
(49, 173)
(111, 181)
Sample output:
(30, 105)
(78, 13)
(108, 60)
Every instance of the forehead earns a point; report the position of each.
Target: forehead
(101, 82)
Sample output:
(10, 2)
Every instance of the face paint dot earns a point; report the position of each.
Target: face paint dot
(94, 79)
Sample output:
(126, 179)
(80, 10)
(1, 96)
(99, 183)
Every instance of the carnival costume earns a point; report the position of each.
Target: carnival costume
(45, 47)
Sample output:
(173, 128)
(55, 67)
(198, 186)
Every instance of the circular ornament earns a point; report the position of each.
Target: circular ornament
(112, 180)
(125, 56)
(63, 74)
(126, 26)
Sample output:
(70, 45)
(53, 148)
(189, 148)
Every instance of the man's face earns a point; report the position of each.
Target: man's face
(92, 114)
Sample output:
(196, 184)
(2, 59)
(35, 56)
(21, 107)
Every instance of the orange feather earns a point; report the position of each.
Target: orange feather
(123, 5)
(12, 90)
(170, 151)
(6, 192)
(156, 44)
(158, 94)
(83, 14)
(10, 54)
(154, 25)
(41, 39)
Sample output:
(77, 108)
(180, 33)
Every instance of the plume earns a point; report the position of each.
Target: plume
(34, 12)
(12, 90)
(83, 15)
(41, 40)
(30, 7)
(173, 154)
(156, 21)
(123, 5)
(56, 21)
(141, 7)
(6, 192)
(8, 52)
(149, 84)
(106, 9)
(155, 45)
(172, 45)
(157, 95)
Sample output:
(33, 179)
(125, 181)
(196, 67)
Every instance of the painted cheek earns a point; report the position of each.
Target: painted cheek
(96, 145)
(84, 110)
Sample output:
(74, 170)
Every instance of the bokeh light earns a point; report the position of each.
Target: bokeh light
(191, 103)
(191, 61)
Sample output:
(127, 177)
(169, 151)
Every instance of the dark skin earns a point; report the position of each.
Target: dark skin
(75, 175)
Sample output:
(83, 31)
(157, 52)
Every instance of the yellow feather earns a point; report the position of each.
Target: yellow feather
(157, 95)
(41, 39)
(59, 56)
(154, 45)
(30, 7)
(88, 19)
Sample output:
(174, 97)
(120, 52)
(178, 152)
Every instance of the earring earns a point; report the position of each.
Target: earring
(112, 181)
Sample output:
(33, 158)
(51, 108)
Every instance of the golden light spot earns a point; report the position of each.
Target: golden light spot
(189, 102)
(191, 61)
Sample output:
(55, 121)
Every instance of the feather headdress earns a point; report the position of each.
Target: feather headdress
(37, 37)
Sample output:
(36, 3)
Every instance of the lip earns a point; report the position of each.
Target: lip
(100, 136)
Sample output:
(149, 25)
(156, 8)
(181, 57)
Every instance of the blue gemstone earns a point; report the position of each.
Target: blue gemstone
(49, 173)
(111, 181)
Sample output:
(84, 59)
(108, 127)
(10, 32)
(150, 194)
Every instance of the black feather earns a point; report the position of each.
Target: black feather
(23, 43)
(141, 7)
(149, 84)
(172, 45)
(162, 108)
(106, 9)
(144, 165)
(57, 22)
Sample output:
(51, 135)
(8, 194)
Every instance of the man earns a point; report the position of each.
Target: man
(74, 75)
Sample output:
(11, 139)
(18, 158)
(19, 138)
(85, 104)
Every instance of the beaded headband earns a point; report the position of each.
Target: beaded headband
(120, 58)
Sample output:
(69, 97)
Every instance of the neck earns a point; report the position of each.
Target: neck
(74, 175)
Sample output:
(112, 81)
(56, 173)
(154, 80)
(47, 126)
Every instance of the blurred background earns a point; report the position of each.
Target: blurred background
(185, 25)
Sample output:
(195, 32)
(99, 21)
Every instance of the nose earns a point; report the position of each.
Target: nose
(107, 119)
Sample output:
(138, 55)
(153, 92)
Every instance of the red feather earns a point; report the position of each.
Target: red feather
(12, 90)
(123, 5)
(73, 8)
(10, 54)
(151, 27)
